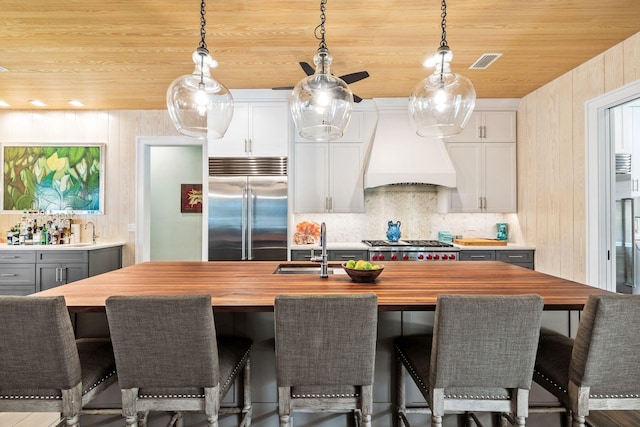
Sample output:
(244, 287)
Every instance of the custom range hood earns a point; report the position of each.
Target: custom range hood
(399, 156)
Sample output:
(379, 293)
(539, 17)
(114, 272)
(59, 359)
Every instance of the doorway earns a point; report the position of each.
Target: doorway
(600, 188)
(163, 231)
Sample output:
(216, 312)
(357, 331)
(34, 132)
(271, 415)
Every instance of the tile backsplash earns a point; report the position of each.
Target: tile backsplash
(415, 208)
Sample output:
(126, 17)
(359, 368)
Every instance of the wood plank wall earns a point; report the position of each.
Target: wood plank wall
(118, 131)
(551, 158)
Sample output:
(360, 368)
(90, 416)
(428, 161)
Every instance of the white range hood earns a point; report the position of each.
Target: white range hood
(399, 156)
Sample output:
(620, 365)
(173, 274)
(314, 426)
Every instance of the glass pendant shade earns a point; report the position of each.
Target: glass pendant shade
(198, 105)
(321, 104)
(441, 104)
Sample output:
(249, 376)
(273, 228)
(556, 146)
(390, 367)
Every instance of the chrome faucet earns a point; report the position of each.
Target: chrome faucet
(94, 236)
(323, 259)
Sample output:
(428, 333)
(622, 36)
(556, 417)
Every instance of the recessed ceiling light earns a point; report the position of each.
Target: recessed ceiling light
(4, 104)
(37, 103)
(76, 103)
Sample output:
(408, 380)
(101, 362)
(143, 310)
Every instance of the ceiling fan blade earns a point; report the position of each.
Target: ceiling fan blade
(308, 69)
(356, 98)
(354, 77)
(282, 88)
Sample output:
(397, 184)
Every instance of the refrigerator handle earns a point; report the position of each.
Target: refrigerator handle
(250, 223)
(244, 224)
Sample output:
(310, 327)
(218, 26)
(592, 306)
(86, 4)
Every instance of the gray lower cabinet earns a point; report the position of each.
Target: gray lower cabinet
(25, 272)
(342, 255)
(17, 272)
(524, 258)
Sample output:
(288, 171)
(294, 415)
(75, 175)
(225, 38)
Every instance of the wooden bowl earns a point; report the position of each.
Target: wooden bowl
(363, 276)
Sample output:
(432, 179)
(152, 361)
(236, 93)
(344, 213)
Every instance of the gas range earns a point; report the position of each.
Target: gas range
(411, 250)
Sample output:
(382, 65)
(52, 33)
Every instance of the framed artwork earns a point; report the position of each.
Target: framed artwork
(53, 177)
(191, 198)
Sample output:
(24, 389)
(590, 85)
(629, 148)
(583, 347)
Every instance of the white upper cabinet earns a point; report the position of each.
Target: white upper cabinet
(485, 178)
(488, 126)
(329, 176)
(257, 129)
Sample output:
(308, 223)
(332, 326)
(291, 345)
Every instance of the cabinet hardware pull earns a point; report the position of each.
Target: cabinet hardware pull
(9, 256)
(8, 275)
(516, 256)
(478, 256)
(348, 257)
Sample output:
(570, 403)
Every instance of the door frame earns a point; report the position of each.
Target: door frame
(143, 189)
(600, 180)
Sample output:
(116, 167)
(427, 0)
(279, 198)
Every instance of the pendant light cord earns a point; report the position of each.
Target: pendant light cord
(323, 19)
(203, 24)
(443, 25)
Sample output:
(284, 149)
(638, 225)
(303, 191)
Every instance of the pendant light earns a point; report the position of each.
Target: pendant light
(199, 105)
(321, 103)
(441, 104)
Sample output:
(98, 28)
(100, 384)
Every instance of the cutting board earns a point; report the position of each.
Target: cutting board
(479, 242)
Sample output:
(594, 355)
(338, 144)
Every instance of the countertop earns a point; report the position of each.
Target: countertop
(75, 247)
(362, 246)
(251, 286)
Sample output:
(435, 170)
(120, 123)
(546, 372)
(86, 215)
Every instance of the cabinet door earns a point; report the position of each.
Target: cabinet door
(467, 161)
(471, 131)
(499, 126)
(311, 185)
(52, 275)
(234, 141)
(269, 129)
(488, 126)
(499, 177)
(346, 187)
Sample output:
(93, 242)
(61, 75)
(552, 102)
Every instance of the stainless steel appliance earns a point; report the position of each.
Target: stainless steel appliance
(411, 250)
(247, 203)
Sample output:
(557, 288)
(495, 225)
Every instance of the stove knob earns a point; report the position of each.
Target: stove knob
(436, 256)
(394, 257)
(452, 256)
(420, 256)
(445, 256)
(405, 257)
(429, 256)
(381, 257)
(374, 257)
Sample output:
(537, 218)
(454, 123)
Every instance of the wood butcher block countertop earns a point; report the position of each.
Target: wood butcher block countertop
(252, 286)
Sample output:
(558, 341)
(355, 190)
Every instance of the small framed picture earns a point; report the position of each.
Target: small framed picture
(191, 198)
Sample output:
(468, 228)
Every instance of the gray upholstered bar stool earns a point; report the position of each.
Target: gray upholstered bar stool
(169, 358)
(42, 366)
(600, 370)
(325, 354)
(479, 358)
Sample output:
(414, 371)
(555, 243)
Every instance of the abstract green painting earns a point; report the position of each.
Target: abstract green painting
(53, 178)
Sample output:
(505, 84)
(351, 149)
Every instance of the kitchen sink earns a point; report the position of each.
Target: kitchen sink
(307, 269)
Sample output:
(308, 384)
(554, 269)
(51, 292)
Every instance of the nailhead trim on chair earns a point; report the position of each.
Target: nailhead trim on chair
(550, 381)
(100, 381)
(10, 397)
(172, 396)
(325, 395)
(410, 368)
(236, 368)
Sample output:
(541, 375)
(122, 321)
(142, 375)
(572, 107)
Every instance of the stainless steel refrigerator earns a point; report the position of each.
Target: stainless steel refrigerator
(247, 201)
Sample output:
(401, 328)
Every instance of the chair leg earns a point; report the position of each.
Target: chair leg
(247, 409)
(436, 421)
(73, 421)
(131, 420)
(284, 406)
(578, 421)
(520, 421)
(401, 375)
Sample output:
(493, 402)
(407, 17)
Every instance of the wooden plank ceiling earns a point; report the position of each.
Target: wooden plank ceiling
(123, 54)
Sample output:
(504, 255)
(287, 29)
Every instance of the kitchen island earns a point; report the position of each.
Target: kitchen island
(252, 286)
(242, 296)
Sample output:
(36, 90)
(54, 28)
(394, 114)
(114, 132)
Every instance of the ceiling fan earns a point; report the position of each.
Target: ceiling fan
(348, 78)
